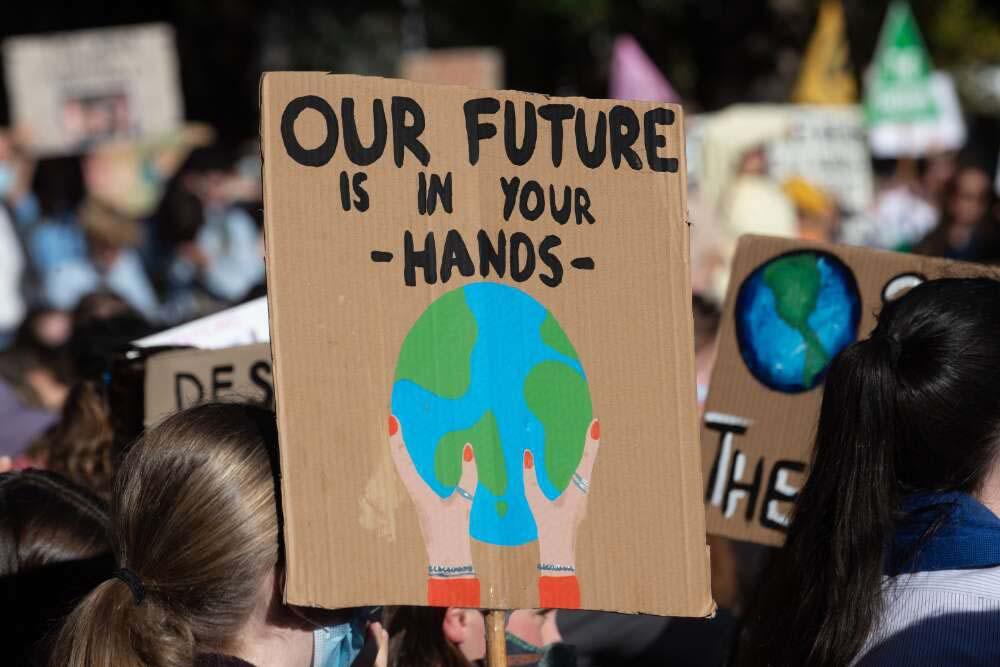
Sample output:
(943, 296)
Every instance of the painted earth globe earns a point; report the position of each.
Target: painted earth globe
(489, 365)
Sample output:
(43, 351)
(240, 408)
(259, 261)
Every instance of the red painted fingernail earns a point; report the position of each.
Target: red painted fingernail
(393, 426)
(595, 430)
(529, 460)
(467, 453)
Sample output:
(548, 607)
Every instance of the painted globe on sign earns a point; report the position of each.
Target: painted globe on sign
(793, 315)
(489, 365)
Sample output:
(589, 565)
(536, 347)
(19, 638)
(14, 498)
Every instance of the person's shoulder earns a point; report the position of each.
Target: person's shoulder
(980, 583)
(966, 638)
(945, 617)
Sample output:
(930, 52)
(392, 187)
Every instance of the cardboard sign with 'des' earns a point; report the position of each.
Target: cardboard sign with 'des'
(179, 379)
(792, 306)
(481, 328)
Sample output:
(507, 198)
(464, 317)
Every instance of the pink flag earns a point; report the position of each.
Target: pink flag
(635, 77)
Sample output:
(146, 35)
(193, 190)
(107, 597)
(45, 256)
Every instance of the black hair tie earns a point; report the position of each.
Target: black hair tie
(133, 582)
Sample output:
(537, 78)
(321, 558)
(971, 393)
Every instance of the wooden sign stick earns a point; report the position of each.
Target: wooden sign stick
(496, 638)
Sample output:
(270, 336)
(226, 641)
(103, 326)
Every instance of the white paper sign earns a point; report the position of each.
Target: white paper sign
(242, 325)
(946, 132)
(826, 146)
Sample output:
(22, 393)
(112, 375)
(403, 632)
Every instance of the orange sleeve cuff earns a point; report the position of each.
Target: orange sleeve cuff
(559, 592)
(453, 592)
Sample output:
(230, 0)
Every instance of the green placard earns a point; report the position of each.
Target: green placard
(899, 87)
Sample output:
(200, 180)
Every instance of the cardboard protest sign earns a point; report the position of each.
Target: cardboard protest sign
(179, 379)
(827, 147)
(461, 284)
(77, 89)
(240, 325)
(792, 306)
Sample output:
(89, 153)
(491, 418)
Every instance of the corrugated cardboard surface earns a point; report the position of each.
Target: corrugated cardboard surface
(179, 379)
(338, 320)
(780, 427)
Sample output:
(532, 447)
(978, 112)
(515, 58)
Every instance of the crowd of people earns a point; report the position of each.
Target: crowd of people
(121, 545)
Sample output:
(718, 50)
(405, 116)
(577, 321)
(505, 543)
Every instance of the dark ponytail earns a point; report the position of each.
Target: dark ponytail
(914, 407)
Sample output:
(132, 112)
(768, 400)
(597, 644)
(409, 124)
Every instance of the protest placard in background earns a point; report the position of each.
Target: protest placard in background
(826, 146)
(911, 109)
(792, 306)
(482, 339)
(182, 378)
(74, 90)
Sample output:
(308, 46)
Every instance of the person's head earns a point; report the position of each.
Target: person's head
(33, 382)
(79, 446)
(436, 636)
(108, 230)
(53, 550)
(206, 174)
(45, 329)
(96, 341)
(936, 170)
(179, 216)
(194, 520)
(968, 196)
(99, 306)
(914, 407)
(46, 519)
(58, 184)
(754, 162)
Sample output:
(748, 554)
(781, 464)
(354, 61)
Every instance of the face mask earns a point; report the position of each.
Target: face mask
(7, 178)
(338, 645)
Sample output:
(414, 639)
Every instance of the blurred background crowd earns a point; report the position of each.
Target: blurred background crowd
(130, 185)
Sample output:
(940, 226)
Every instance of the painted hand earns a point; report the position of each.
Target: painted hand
(557, 522)
(444, 523)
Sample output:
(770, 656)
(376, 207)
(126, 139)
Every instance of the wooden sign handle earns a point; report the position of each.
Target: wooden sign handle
(496, 639)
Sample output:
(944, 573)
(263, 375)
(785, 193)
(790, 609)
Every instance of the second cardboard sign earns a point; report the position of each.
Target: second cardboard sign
(791, 307)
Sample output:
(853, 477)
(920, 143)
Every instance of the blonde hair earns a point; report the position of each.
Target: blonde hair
(193, 516)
